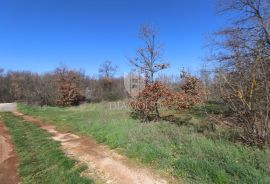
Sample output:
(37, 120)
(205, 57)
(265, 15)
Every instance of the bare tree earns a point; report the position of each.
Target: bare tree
(4, 87)
(243, 51)
(206, 81)
(148, 59)
(108, 83)
(107, 70)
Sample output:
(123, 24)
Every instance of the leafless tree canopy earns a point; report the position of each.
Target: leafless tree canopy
(149, 59)
(107, 70)
(243, 51)
(63, 86)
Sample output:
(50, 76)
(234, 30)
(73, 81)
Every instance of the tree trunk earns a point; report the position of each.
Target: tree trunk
(157, 111)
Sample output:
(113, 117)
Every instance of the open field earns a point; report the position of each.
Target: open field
(40, 158)
(181, 151)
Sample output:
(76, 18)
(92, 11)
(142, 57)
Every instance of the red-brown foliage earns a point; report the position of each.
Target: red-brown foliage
(192, 94)
(68, 87)
(147, 103)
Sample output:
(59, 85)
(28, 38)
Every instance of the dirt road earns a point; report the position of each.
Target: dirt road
(8, 159)
(104, 165)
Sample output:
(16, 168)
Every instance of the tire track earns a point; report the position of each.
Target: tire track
(104, 164)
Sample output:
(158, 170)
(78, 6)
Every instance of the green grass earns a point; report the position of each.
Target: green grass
(41, 160)
(180, 151)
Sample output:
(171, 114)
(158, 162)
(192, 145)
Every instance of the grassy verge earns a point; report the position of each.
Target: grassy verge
(178, 150)
(41, 160)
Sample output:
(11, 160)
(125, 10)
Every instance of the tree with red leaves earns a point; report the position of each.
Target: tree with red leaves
(68, 82)
(146, 104)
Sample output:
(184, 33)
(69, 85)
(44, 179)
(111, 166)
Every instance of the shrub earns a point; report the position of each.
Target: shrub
(68, 87)
(192, 93)
(146, 104)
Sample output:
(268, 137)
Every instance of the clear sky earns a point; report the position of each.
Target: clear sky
(38, 35)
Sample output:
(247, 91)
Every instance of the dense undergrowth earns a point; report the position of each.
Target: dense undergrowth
(182, 150)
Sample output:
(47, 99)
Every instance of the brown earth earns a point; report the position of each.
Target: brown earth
(8, 159)
(104, 165)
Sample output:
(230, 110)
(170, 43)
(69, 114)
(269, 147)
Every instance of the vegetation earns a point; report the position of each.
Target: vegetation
(242, 51)
(68, 87)
(40, 158)
(183, 151)
(61, 87)
(148, 102)
(148, 60)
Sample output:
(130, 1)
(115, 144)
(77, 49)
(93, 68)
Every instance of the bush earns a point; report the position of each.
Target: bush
(68, 87)
(146, 105)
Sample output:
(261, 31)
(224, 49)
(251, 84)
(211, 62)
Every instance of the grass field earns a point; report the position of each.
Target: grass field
(41, 160)
(181, 151)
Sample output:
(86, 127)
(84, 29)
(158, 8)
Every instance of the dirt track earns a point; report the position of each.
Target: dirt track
(8, 160)
(104, 165)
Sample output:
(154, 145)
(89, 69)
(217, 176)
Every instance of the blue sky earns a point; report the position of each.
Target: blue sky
(38, 35)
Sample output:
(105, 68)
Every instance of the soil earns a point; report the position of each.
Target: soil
(104, 165)
(8, 159)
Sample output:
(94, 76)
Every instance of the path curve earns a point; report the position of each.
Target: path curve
(105, 164)
(8, 159)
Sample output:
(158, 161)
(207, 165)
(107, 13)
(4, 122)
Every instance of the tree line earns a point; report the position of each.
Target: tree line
(62, 87)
